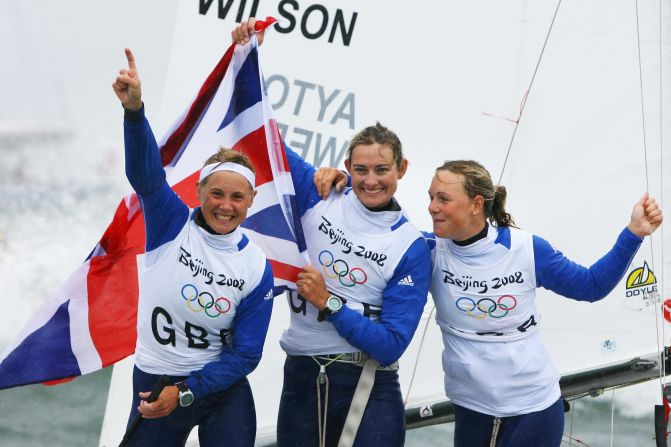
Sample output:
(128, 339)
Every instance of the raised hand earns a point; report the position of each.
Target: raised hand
(327, 178)
(127, 85)
(646, 216)
(244, 30)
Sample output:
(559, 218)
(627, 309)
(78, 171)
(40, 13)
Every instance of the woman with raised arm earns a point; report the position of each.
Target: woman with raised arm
(205, 293)
(498, 373)
(359, 304)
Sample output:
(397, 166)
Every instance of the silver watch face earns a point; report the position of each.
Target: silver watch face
(334, 303)
(185, 398)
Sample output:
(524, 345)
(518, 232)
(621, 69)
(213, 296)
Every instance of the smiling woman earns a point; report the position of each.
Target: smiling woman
(354, 313)
(356, 310)
(378, 166)
(461, 193)
(202, 281)
(485, 275)
(225, 191)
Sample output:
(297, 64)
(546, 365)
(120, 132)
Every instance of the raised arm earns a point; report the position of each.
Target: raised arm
(646, 216)
(127, 85)
(164, 212)
(244, 30)
(556, 272)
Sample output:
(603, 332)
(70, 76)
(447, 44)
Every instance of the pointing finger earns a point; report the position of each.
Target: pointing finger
(131, 59)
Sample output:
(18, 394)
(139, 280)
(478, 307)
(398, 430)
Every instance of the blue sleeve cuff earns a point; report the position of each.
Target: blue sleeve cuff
(403, 303)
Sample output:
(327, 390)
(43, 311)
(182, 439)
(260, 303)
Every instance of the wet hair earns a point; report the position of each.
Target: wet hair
(225, 155)
(478, 182)
(380, 135)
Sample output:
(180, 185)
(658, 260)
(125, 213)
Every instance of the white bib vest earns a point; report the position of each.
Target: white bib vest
(486, 297)
(356, 251)
(190, 289)
(494, 359)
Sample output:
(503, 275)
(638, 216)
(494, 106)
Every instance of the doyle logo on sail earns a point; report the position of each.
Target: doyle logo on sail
(642, 281)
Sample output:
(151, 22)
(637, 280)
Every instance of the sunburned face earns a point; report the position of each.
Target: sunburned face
(455, 215)
(224, 200)
(374, 174)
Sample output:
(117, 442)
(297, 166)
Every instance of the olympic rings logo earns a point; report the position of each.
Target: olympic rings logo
(486, 306)
(205, 302)
(347, 277)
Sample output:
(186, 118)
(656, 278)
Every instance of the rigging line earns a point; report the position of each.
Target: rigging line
(571, 429)
(526, 95)
(571, 440)
(661, 177)
(419, 351)
(653, 297)
(612, 416)
(640, 79)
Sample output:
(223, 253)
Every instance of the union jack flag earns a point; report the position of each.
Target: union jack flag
(90, 321)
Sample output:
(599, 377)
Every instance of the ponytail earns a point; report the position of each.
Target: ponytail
(497, 214)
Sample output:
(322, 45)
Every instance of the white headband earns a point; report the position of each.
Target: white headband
(228, 166)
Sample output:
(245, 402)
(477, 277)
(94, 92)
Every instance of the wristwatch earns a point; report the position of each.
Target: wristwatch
(333, 305)
(185, 395)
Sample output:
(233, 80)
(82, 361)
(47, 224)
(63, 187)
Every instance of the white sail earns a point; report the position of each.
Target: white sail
(451, 78)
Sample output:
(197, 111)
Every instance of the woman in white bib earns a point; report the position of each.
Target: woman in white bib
(205, 293)
(498, 373)
(357, 306)
(485, 272)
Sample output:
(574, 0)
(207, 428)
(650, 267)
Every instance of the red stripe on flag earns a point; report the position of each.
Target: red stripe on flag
(112, 285)
(284, 271)
(175, 142)
(278, 146)
(122, 232)
(261, 25)
(58, 382)
(253, 145)
(186, 190)
(113, 291)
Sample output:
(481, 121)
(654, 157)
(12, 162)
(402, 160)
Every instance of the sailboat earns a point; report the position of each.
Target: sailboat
(563, 102)
(555, 98)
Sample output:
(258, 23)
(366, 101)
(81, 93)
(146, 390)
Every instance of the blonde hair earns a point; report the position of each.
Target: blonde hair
(478, 182)
(224, 155)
